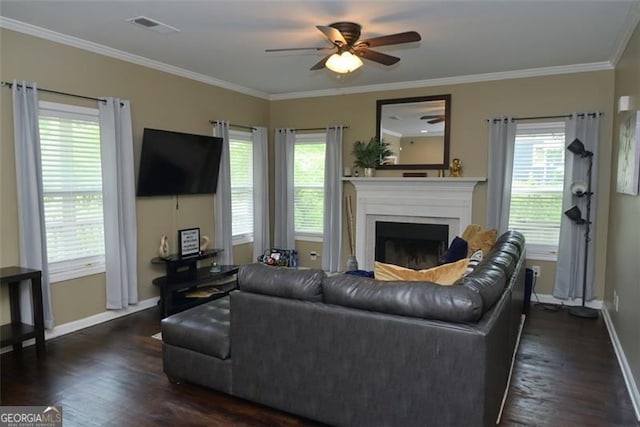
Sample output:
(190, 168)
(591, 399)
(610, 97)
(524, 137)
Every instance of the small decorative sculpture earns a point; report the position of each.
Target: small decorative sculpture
(456, 168)
(163, 250)
(204, 243)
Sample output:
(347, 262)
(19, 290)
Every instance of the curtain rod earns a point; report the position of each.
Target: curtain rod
(311, 129)
(213, 122)
(563, 116)
(10, 85)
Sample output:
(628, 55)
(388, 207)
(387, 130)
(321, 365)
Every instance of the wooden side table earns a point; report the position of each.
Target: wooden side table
(16, 331)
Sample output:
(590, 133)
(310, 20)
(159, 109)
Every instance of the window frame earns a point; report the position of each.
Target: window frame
(244, 137)
(309, 139)
(60, 271)
(538, 251)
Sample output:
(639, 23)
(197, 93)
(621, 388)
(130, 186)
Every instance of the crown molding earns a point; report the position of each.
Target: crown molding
(472, 78)
(632, 20)
(14, 25)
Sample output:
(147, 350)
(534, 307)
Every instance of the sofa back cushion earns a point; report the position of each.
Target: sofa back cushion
(281, 282)
(416, 299)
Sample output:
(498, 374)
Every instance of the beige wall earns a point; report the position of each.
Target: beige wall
(623, 261)
(158, 100)
(166, 101)
(472, 104)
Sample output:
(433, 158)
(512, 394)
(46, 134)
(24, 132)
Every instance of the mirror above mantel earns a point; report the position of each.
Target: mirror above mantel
(417, 130)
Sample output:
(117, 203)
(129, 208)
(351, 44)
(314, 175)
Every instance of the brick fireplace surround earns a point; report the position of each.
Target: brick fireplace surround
(410, 200)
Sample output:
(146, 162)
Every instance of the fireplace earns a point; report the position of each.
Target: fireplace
(411, 245)
(439, 201)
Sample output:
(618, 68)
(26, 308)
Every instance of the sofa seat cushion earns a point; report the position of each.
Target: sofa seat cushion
(203, 329)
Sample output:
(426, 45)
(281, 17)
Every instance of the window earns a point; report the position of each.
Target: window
(537, 183)
(72, 190)
(308, 182)
(241, 158)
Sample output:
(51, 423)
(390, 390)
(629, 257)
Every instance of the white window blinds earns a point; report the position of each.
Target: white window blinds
(536, 192)
(241, 158)
(308, 182)
(72, 190)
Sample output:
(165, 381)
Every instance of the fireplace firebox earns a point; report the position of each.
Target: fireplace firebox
(411, 245)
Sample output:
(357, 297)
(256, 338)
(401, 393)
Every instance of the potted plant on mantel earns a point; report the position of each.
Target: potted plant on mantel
(370, 155)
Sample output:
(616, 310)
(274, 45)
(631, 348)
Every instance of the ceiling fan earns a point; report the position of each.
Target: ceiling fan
(432, 120)
(345, 37)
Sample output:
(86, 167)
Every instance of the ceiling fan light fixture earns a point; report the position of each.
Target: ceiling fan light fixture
(343, 63)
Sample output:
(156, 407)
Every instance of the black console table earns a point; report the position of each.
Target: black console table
(16, 332)
(183, 278)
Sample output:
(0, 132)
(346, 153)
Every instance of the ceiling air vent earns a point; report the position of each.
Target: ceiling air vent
(153, 25)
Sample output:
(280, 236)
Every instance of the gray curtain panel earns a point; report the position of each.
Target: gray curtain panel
(570, 263)
(222, 222)
(31, 226)
(502, 139)
(119, 203)
(284, 227)
(261, 236)
(332, 232)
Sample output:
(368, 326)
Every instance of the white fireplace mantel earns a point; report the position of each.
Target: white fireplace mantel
(418, 200)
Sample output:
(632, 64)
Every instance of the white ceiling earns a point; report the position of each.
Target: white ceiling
(223, 42)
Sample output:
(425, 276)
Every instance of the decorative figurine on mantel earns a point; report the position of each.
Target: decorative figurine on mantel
(204, 243)
(455, 170)
(163, 250)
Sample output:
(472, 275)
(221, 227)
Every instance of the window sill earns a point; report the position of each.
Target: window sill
(309, 238)
(62, 276)
(541, 254)
(241, 239)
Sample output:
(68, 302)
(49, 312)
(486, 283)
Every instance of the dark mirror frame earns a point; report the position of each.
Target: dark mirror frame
(447, 128)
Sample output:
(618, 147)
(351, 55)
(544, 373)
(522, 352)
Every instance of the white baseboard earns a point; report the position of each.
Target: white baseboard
(86, 322)
(550, 299)
(632, 387)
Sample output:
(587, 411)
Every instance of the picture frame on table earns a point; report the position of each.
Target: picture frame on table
(189, 242)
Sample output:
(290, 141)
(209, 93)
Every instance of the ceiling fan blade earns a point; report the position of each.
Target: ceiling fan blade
(406, 37)
(433, 119)
(286, 49)
(321, 64)
(332, 34)
(372, 55)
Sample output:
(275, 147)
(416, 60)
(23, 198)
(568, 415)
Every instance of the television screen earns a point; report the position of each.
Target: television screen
(174, 163)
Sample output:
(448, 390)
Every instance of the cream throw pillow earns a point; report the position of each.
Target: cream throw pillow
(445, 274)
(479, 238)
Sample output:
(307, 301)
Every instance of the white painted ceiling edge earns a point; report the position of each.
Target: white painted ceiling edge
(624, 35)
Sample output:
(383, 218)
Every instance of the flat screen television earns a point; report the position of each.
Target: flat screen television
(174, 163)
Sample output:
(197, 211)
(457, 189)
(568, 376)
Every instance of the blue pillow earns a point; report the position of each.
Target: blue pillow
(361, 273)
(456, 252)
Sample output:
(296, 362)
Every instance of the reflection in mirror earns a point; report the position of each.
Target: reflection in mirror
(417, 130)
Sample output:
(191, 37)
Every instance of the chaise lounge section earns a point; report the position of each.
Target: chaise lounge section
(348, 350)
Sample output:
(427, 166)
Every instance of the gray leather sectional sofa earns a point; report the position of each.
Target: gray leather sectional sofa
(354, 351)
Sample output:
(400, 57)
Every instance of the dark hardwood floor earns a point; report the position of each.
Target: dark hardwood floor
(566, 374)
